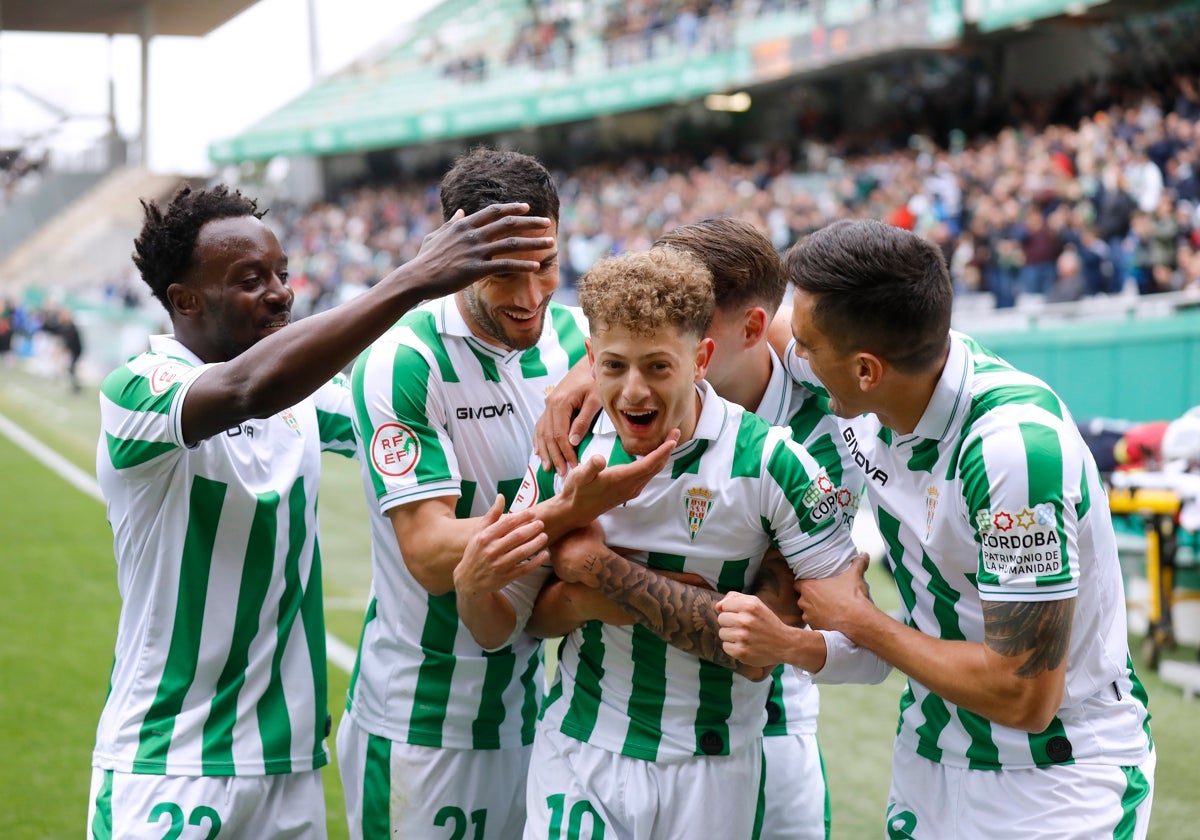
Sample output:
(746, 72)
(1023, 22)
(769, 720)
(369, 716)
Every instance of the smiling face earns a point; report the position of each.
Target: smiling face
(510, 309)
(238, 288)
(647, 384)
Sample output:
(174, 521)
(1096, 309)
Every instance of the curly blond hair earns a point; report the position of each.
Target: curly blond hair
(644, 292)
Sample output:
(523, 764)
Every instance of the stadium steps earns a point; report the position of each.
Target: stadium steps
(87, 244)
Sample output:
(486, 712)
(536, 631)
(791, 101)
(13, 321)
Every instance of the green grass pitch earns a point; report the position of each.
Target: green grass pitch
(59, 606)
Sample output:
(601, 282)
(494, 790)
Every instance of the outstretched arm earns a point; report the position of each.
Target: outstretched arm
(1015, 677)
(563, 607)
(432, 538)
(592, 488)
(287, 366)
(680, 614)
(765, 625)
(505, 548)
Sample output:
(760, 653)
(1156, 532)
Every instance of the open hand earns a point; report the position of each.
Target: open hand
(831, 603)
(507, 547)
(468, 248)
(570, 409)
(593, 487)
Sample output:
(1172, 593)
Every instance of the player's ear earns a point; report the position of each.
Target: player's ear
(754, 328)
(869, 371)
(184, 300)
(704, 354)
(591, 356)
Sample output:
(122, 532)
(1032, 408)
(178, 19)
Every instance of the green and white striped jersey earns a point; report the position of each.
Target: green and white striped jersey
(220, 654)
(439, 412)
(794, 701)
(995, 497)
(737, 486)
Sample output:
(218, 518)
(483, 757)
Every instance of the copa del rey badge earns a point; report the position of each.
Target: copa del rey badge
(697, 503)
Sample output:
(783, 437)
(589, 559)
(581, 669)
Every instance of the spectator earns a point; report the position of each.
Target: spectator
(1068, 282)
(68, 332)
(1114, 212)
(1040, 247)
(1163, 243)
(7, 329)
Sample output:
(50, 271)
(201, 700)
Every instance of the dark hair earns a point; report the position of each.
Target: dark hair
(877, 288)
(486, 176)
(164, 249)
(745, 266)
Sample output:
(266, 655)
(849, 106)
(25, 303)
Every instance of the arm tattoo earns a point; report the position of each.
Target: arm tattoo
(775, 586)
(1038, 630)
(770, 583)
(681, 615)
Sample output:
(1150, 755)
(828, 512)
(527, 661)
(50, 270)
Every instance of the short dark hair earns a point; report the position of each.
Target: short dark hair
(877, 288)
(164, 250)
(745, 266)
(486, 176)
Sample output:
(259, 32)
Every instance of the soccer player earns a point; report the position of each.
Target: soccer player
(437, 732)
(748, 285)
(209, 459)
(647, 726)
(1022, 706)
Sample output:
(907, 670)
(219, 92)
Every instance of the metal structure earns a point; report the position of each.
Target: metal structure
(143, 18)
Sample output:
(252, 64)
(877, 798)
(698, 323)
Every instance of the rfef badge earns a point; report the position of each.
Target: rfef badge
(395, 449)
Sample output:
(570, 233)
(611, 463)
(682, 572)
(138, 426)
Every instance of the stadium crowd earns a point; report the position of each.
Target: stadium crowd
(550, 31)
(1088, 193)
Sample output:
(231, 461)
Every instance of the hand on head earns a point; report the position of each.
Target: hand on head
(468, 248)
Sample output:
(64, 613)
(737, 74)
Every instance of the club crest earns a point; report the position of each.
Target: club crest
(697, 502)
(289, 417)
(931, 503)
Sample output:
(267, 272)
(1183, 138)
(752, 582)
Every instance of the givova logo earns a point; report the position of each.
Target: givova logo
(483, 412)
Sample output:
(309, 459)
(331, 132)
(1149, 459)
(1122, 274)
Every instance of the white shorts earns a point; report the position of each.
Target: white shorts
(401, 790)
(797, 800)
(584, 792)
(930, 801)
(138, 806)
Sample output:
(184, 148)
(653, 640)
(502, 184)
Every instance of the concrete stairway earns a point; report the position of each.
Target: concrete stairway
(88, 244)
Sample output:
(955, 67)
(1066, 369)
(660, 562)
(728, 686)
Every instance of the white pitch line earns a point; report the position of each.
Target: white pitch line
(336, 651)
(72, 474)
(340, 653)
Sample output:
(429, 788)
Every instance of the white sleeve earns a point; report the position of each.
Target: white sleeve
(846, 662)
(522, 593)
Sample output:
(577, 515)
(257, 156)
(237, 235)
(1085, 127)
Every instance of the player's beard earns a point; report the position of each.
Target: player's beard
(482, 316)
